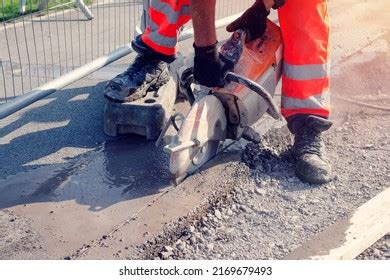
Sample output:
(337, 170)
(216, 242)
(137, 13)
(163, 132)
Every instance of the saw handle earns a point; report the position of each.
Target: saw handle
(273, 110)
(187, 78)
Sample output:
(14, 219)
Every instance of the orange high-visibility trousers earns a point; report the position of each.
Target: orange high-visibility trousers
(166, 18)
(305, 31)
(305, 81)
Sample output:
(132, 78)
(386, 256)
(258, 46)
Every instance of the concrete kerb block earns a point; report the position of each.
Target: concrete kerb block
(145, 117)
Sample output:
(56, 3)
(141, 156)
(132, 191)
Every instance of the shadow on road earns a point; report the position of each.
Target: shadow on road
(115, 170)
(70, 118)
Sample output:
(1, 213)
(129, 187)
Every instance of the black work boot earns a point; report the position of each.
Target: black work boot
(311, 165)
(133, 84)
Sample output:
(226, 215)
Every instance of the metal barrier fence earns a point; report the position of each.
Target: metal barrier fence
(44, 50)
(41, 46)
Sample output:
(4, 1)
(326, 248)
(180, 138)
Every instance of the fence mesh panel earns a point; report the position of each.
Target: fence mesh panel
(48, 38)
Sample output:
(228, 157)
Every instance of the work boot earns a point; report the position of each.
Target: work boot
(144, 73)
(312, 165)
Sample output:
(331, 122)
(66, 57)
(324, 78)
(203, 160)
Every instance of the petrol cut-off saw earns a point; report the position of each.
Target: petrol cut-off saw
(226, 113)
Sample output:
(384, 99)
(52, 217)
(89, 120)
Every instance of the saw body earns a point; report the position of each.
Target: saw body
(226, 113)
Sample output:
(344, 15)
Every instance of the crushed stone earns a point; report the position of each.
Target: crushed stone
(272, 212)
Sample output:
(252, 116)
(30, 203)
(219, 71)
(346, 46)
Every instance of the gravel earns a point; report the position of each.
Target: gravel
(272, 212)
(16, 234)
(380, 250)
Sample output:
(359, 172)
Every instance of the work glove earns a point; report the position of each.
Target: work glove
(253, 21)
(210, 68)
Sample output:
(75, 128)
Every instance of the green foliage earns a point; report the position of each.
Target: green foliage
(9, 9)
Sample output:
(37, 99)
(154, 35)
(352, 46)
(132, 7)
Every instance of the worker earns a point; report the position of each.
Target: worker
(305, 79)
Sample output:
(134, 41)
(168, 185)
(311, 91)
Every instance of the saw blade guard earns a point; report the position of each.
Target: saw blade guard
(199, 136)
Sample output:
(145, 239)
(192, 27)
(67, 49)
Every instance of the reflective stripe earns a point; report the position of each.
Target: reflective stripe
(306, 72)
(165, 27)
(319, 112)
(170, 51)
(314, 102)
(154, 27)
(171, 14)
(170, 30)
(159, 39)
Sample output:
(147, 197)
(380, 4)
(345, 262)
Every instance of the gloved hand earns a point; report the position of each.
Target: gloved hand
(253, 21)
(210, 67)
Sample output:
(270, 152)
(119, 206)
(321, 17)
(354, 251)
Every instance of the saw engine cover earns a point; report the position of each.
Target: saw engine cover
(261, 61)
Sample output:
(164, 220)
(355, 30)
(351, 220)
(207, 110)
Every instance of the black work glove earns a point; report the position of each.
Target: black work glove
(210, 68)
(253, 21)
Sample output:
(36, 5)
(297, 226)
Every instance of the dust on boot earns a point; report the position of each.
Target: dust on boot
(312, 165)
(133, 84)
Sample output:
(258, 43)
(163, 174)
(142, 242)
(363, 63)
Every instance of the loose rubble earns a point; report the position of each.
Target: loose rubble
(272, 212)
(380, 250)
